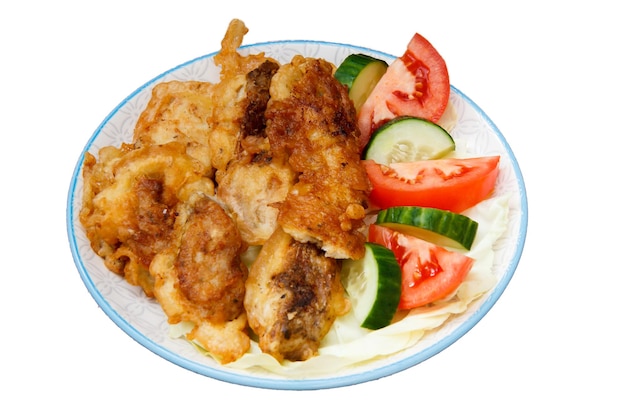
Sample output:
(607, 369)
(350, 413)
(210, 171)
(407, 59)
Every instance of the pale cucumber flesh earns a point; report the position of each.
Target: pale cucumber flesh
(407, 139)
(373, 286)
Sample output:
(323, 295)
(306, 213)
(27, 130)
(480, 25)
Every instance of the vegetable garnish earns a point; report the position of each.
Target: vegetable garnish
(453, 184)
(442, 227)
(429, 272)
(408, 139)
(373, 285)
(360, 73)
(416, 84)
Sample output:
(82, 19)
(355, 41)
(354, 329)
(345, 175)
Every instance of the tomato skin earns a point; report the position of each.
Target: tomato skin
(429, 272)
(415, 84)
(447, 184)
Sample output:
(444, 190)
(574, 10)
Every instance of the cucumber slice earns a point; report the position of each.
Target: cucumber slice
(373, 286)
(440, 227)
(360, 73)
(407, 139)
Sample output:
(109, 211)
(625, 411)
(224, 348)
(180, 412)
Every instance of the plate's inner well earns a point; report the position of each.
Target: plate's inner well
(348, 354)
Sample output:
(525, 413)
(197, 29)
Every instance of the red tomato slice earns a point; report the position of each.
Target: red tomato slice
(416, 84)
(429, 272)
(447, 184)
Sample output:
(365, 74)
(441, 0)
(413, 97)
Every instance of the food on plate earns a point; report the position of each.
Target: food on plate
(238, 98)
(256, 179)
(294, 292)
(215, 168)
(373, 286)
(293, 295)
(243, 207)
(311, 120)
(319, 218)
(177, 112)
(130, 199)
(360, 73)
(252, 186)
(407, 139)
(200, 277)
(429, 272)
(443, 227)
(417, 84)
(454, 184)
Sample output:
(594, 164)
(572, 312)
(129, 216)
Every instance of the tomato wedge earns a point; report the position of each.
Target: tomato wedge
(429, 272)
(447, 184)
(416, 84)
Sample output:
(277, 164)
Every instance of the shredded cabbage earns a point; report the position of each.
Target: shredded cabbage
(347, 344)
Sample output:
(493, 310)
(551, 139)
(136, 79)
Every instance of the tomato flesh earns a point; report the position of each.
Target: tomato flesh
(416, 84)
(447, 184)
(429, 272)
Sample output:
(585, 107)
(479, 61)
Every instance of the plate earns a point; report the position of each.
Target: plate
(142, 318)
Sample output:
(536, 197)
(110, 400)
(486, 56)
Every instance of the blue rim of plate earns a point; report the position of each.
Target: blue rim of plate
(297, 384)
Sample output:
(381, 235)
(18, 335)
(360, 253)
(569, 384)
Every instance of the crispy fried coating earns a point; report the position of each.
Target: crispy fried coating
(256, 180)
(257, 95)
(232, 62)
(210, 118)
(293, 295)
(129, 203)
(178, 112)
(251, 187)
(230, 97)
(311, 119)
(200, 278)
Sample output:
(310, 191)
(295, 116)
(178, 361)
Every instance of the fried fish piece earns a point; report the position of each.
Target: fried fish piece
(256, 180)
(178, 112)
(293, 295)
(200, 278)
(209, 118)
(251, 187)
(311, 119)
(129, 203)
(231, 98)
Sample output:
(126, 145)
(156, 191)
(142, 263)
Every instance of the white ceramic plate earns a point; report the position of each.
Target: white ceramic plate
(142, 318)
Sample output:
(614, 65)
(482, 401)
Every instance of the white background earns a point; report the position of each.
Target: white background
(550, 74)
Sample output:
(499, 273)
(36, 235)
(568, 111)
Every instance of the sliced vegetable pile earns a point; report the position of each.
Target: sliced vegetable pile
(416, 242)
